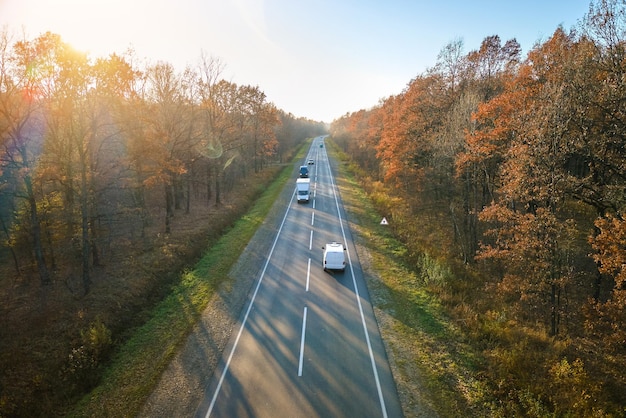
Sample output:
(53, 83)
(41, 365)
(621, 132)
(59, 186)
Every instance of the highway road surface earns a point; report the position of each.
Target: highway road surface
(307, 343)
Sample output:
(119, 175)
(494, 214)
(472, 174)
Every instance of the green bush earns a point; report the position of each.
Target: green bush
(83, 364)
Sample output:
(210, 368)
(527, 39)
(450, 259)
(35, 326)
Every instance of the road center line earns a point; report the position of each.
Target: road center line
(302, 343)
(311, 240)
(308, 275)
(312, 218)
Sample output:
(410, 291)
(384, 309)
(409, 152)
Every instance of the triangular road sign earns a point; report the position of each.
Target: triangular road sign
(384, 221)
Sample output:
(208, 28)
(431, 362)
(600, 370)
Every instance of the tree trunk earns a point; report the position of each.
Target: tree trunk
(178, 192)
(209, 190)
(169, 210)
(84, 227)
(44, 274)
(555, 316)
(85, 251)
(13, 254)
(218, 197)
(188, 197)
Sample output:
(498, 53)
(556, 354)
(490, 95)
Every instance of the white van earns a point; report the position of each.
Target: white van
(334, 257)
(303, 189)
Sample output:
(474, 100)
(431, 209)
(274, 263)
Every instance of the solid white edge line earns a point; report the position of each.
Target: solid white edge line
(302, 343)
(245, 318)
(358, 300)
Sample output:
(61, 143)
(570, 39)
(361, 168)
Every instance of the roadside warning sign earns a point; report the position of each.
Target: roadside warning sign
(384, 221)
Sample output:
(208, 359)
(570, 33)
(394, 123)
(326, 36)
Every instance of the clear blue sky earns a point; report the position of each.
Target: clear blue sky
(318, 59)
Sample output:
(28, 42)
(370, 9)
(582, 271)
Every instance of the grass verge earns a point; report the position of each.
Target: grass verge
(433, 367)
(137, 366)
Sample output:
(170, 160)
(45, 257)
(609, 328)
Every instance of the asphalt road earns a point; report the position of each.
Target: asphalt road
(307, 344)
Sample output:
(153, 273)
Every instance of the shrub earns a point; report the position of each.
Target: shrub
(570, 388)
(82, 368)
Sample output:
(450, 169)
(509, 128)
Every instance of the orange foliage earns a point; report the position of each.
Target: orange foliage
(410, 129)
(611, 253)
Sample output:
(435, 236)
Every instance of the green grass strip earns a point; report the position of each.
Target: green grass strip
(427, 345)
(138, 365)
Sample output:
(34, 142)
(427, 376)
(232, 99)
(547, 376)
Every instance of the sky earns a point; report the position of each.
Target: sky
(317, 59)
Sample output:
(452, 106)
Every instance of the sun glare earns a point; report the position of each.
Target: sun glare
(98, 27)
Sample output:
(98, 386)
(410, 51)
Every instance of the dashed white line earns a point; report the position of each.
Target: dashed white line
(308, 275)
(302, 343)
(247, 314)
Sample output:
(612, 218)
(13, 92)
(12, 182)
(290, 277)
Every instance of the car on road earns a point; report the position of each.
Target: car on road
(311, 161)
(304, 171)
(334, 257)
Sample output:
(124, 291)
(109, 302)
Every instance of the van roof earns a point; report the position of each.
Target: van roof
(334, 247)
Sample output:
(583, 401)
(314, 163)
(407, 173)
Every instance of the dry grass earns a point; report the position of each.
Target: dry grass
(456, 348)
(433, 367)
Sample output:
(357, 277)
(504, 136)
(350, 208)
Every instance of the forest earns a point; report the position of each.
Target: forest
(114, 174)
(512, 169)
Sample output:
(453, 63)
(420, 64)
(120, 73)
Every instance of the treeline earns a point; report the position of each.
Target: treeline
(94, 151)
(515, 168)
(115, 174)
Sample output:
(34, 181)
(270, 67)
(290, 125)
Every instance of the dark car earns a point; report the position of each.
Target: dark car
(304, 171)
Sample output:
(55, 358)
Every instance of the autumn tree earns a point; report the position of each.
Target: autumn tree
(532, 234)
(259, 120)
(486, 65)
(78, 128)
(451, 63)
(599, 123)
(286, 134)
(598, 92)
(537, 149)
(117, 197)
(20, 112)
(210, 144)
(410, 131)
(265, 127)
(607, 320)
(168, 129)
(364, 129)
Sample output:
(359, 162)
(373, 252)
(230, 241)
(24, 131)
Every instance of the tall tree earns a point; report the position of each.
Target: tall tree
(608, 319)
(167, 119)
(451, 63)
(410, 132)
(20, 112)
(532, 237)
(74, 121)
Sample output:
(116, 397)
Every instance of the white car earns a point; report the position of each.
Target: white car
(334, 257)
